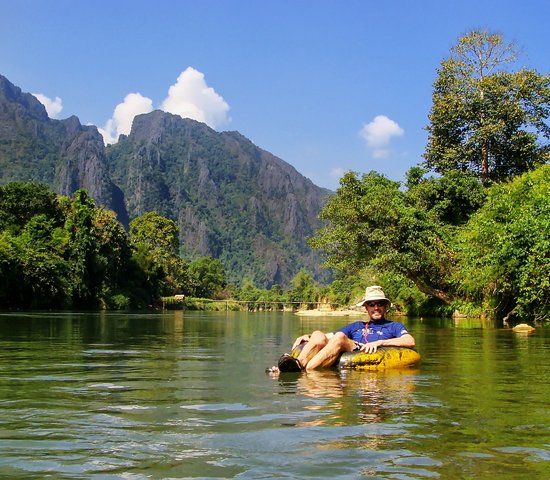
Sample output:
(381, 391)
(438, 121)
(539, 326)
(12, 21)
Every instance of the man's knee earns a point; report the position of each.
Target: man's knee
(318, 338)
(340, 339)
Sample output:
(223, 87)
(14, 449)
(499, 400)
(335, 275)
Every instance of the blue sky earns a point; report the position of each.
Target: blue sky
(328, 86)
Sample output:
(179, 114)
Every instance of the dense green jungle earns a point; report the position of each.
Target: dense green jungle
(468, 231)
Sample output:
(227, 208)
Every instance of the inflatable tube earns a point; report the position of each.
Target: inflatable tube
(383, 358)
(523, 327)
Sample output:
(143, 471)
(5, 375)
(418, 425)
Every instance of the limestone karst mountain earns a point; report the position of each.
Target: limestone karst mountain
(231, 199)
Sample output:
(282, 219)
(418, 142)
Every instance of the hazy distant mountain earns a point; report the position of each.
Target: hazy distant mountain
(231, 199)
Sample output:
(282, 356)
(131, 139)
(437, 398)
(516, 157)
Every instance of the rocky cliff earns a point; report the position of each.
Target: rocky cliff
(60, 153)
(231, 199)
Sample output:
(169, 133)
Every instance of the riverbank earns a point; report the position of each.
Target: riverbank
(316, 312)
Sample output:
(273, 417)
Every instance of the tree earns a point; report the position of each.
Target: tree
(346, 289)
(156, 246)
(450, 199)
(20, 201)
(43, 280)
(505, 248)
(33, 271)
(60, 251)
(82, 247)
(158, 233)
(10, 271)
(114, 257)
(485, 119)
(304, 288)
(372, 224)
(207, 276)
(248, 291)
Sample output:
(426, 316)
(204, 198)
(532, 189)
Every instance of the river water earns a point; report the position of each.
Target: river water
(185, 395)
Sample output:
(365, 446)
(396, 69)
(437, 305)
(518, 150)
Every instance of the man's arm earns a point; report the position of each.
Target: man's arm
(406, 340)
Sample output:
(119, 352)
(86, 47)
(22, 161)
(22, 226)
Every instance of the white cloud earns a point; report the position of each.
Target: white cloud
(191, 97)
(123, 116)
(53, 107)
(379, 133)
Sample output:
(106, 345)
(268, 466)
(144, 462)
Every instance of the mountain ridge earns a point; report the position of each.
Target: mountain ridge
(231, 199)
(63, 154)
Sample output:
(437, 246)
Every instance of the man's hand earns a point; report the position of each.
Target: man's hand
(303, 338)
(371, 347)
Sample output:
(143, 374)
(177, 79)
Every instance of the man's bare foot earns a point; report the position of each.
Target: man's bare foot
(273, 371)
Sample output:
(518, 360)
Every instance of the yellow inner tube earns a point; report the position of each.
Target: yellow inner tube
(383, 358)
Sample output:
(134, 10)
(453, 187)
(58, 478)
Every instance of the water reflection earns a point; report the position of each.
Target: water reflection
(352, 396)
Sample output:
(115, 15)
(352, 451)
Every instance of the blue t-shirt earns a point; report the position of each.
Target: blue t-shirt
(363, 332)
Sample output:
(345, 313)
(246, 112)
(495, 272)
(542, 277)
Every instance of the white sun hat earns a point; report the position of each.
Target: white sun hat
(372, 294)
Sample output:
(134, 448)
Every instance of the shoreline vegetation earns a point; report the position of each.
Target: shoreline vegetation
(312, 309)
(302, 309)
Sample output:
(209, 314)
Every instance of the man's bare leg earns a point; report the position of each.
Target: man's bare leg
(317, 341)
(328, 355)
(320, 351)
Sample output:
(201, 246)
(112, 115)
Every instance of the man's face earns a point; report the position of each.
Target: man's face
(376, 309)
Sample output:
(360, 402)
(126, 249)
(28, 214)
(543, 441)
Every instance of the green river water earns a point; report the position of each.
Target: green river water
(178, 395)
